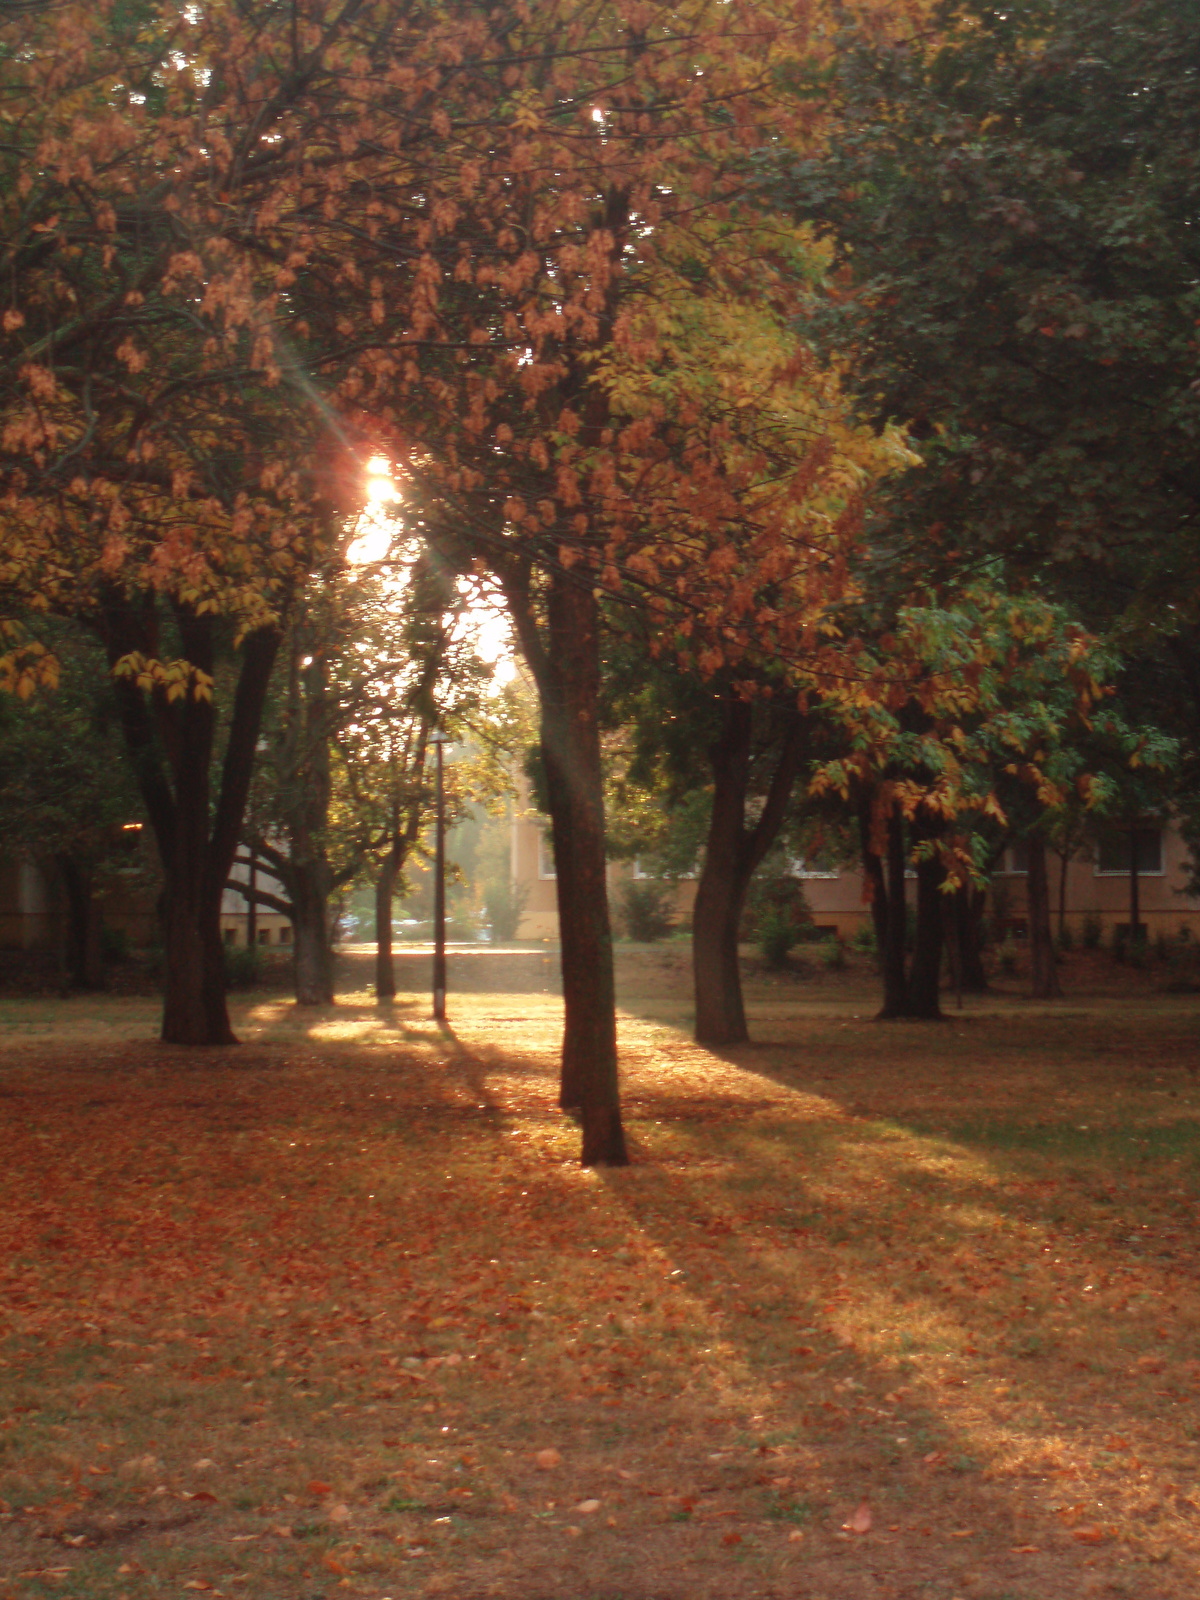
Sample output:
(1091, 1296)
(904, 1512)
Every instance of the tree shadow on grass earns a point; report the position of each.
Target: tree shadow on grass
(927, 1261)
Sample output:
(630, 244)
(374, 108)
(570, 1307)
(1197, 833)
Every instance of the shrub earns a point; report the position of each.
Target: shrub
(833, 954)
(243, 965)
(645, 909)
(864, 940)
(1093, 931)
(1162, 947)
(776, 936)
(504, 906)
(774, 895)
(1007, 956)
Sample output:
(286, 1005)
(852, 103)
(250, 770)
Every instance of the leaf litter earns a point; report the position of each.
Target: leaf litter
(785, 1343)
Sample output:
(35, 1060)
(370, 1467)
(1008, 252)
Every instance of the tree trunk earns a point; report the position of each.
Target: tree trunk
(252, 902)
(170, 743)
(924, 979)
(84, 956)
(194, 1008)
(569, 686)
(1041, 938)
(385, 967)
(721, 891)
(1064, 857)
(874, 881)
(891, 954)
(732, 853)
(1135, 911)
(313, 955)
(969, 904)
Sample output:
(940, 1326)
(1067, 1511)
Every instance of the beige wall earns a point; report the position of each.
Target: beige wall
(837, 902)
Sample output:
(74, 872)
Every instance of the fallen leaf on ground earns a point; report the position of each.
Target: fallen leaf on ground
(546, 1459)
(588, 1506)
(860, 1522)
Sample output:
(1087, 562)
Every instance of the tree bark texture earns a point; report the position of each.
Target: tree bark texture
(171, 746)
(892, 954)
(1044, 968)
(721, 889)
(732, 853)
(924, 978)
(566, 668)
(84, 958)
(968, 906)
(309, 886)
(385, 967)
(909, 990)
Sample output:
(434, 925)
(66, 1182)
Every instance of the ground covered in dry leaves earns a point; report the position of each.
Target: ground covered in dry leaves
(879, 1311)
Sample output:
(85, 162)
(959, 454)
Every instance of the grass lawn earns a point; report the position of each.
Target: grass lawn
(904, 1310)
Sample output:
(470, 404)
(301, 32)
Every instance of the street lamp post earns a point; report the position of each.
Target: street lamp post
(438, 739)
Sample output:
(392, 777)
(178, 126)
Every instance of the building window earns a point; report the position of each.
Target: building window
(1014, 863)
(813, 867)
(230, 935)
(1112, 854)
(285, 933)
(264, 936)
(546, 855)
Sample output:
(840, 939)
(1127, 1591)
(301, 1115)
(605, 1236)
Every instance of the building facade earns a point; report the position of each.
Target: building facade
(1093, 883)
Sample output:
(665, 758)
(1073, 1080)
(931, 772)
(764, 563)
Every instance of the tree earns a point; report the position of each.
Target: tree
(739, 752)
(1011, 202)
(589, 201)
(160, 484)
(67, 798)
(950, 705)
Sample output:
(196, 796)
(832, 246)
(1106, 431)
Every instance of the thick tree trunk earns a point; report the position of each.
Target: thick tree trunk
(385, 967)
(171, 747)
(252, 902)
(732, 854)
(1041, 937)
(721, 891)
(313, 956)
(967, 912)
(924, 981)
(569, 685)
(84, 956)
(891, 954)
(875, 882)
(194, 1008)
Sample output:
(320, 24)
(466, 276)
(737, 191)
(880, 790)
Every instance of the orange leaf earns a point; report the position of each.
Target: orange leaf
(317, 1487)
(731, 1538)
(548, 1459)
(333, 1565)
(860, 1522)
